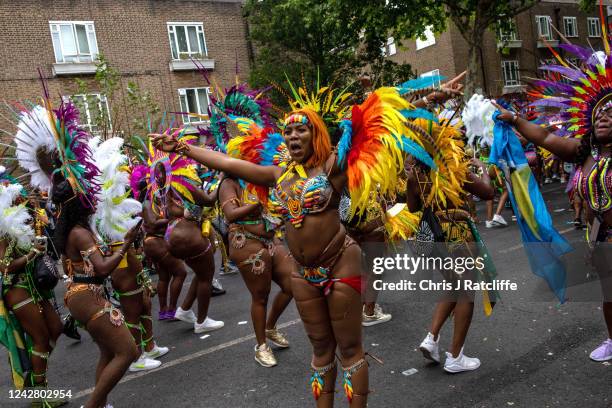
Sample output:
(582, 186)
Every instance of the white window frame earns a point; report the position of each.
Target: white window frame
(192, 119)
(433, 72)
(567, 21)
(430, 39)
(171, 26)
(594, 23)
(508, 64)
(391, 47)
(85, 119)
(80, 57)
(547, 35)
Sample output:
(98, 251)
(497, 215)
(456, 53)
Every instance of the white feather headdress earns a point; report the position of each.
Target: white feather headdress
(14, 219)
(478, 120)
(35, 133)
(115, 212)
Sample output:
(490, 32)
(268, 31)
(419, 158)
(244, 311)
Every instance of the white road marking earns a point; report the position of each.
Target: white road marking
(519, 246)
(185, 359)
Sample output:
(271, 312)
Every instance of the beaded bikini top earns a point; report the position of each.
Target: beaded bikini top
(306, 196)
(596, 186)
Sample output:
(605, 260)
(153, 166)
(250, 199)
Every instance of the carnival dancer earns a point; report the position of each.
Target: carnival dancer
(115, 214)
(56, 153)
(445, 220)
(326, 283)
(174, 183)
(24, 305)
(171, 271)
(584, 99)
(254, 234)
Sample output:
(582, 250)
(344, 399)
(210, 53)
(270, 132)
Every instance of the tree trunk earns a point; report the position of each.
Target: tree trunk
(473, 70)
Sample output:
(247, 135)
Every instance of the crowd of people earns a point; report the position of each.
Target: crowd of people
(291, 198)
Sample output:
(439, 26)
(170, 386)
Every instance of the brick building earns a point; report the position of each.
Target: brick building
(507, 58)
(149, 42)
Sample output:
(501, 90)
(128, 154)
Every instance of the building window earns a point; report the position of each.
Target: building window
(511, 73)
(433, 72)
(594, 27)
(544, 29)
(391, 48)
(570, 25)
(427, 39)
(194, 100)
(94, 114)
(187, 40)
(510, 34)
(74, 41)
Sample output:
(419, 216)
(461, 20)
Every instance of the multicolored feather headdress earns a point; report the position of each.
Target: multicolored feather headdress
(171, 172)
(50, 141)
(576, 92)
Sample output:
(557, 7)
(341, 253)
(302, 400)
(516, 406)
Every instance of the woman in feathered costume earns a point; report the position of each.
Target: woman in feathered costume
(583, 99)
(326, 283)
(254, 244)
(439, 190)
(19, 297)
(59, 159)
(115, 215)
(174, 194)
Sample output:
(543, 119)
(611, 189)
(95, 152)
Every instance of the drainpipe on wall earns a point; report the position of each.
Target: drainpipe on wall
(485, 87)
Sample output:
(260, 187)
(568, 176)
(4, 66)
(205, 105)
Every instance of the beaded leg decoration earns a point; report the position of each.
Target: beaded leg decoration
(348, 374)
(43, 376)
(257, 264)
(316, 379)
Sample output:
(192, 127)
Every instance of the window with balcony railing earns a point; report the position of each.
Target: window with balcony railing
(511, 73)
(194, 100)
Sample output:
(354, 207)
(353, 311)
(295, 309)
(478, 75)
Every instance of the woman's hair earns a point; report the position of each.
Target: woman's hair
(72, 212)
(321, 143)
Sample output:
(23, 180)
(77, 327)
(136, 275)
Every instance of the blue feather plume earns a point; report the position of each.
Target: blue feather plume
(420, 83)
(417, 151)
(345, 142)
(419, 113)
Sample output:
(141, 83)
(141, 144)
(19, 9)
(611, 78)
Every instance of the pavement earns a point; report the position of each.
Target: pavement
(534, 352)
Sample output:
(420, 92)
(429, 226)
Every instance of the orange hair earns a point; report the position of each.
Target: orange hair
(321, 142)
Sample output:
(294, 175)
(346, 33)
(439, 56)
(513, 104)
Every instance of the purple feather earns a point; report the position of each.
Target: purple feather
(558, 86)
(579, 51)
(571, 73)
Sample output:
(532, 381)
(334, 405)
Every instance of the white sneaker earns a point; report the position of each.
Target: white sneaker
(378, 317)
(186, 316)
(430, 348)
(207, 325)
(500, 220)
(143, 363)
(489, 224)
(547, 180)
(156, 352)
(461, 363)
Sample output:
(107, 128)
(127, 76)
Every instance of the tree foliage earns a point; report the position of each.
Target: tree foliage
(300, 39)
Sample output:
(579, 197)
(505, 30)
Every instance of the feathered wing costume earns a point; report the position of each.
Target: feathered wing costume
(477, 116)
(115, 213)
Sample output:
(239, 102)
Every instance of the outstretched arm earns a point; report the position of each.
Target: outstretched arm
(253, 173)
(565, 149)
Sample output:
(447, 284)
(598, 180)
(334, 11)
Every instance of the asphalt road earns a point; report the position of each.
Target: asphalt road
(534, 352)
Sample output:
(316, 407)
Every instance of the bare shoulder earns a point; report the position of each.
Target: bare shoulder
(80, 238)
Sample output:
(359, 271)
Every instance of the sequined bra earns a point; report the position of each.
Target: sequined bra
(596, 186)
(306, 195)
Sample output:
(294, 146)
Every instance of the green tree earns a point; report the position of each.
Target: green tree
(305, 38)
(409, 18)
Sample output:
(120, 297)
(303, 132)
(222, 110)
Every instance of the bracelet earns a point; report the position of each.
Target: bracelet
(515, 118)
(425, 100)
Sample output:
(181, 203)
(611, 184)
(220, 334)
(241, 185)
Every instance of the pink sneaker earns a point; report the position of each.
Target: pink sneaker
(603, 352)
